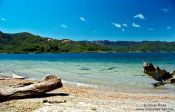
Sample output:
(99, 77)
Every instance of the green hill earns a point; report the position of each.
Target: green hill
(144, 46)
(29, 43)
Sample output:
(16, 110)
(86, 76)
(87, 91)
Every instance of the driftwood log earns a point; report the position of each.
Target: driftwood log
(162, 76)
(50, 83)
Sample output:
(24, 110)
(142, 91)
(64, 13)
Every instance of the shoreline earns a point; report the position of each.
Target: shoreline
(84, 52)
(87, 99)
(151, 90)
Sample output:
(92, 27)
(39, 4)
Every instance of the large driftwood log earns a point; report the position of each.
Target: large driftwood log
(162, 76)
(50, 83)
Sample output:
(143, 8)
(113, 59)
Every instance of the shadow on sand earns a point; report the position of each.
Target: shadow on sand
(3, 99)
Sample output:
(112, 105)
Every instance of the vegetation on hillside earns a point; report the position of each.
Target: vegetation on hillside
(28, 43)
(144, 46)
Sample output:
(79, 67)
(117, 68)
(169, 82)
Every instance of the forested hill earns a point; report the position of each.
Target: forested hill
(143, 46)
(28, 43)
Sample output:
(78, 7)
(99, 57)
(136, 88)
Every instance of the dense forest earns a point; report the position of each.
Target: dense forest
(28, 43)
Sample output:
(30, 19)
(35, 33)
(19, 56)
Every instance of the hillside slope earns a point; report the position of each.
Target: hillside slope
(28, 43)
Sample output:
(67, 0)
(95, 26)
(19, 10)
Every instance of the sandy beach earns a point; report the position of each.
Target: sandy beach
(87, 55)
(83, 99)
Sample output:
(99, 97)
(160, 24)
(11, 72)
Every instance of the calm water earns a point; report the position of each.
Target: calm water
(115, 71)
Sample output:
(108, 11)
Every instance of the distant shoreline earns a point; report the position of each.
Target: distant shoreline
(83, 52)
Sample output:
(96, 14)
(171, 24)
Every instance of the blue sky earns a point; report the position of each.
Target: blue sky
(134, 20)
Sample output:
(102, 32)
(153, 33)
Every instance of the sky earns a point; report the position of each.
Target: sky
(116, 20)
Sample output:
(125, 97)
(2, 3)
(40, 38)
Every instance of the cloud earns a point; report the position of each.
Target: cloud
(165, 10)
(168, 27)
(3, 19)
(117, 25)
(64, 26)
(139, 16)
(136, 25)
(124, 25)
(82, 19)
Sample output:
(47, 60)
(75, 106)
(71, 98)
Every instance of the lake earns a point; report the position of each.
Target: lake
(121, 72)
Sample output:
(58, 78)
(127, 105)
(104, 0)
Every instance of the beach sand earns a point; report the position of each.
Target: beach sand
(83, 99)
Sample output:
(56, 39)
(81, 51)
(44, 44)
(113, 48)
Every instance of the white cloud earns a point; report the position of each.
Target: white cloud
(139, 16)
(151, 29)
(82, 19)
(3, 19)
(124, 25)
(168, 27)
(117, 25)
(136, 25)
(165, 10)
(64, 26)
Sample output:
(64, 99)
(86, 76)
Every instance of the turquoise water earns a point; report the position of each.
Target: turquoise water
(115, 71)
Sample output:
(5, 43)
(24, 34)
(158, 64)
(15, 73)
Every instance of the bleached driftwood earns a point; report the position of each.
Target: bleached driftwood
(17, 76)
(50, 83)
(162, 76)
